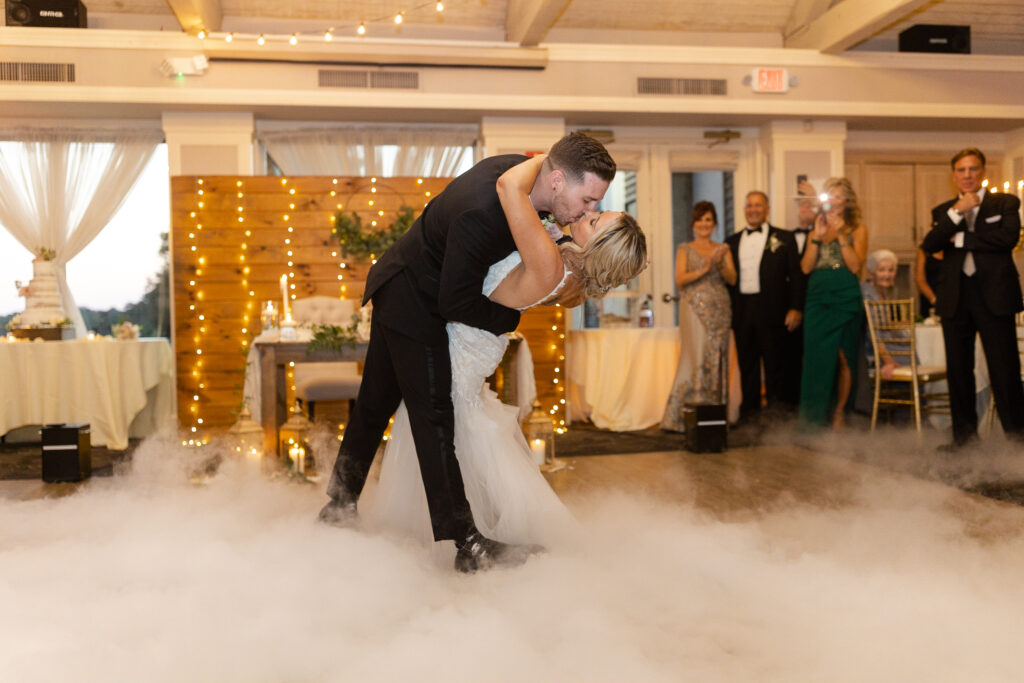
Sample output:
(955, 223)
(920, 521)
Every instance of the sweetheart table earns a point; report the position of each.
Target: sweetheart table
(121, 388)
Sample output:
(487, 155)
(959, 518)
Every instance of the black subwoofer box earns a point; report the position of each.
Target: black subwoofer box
(67, 452)
(936, 38)
(53, 13)
(705, 425)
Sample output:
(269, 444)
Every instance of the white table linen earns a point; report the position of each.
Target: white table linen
(931, 350)
(121, 388)
(621, 377)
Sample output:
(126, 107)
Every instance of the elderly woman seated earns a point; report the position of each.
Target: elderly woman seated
(881, 286)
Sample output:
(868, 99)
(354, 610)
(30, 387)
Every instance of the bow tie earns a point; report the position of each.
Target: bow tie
(751, 230)
(803, 231)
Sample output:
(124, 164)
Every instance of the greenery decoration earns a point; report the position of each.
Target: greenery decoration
(364, 242)
(332, 337)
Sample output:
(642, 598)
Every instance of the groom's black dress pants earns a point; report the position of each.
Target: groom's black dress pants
(398, 367)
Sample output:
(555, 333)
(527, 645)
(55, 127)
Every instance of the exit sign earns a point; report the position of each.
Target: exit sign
(770, 80)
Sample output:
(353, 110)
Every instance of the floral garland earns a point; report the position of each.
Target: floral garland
(365, 242)
(332, 337)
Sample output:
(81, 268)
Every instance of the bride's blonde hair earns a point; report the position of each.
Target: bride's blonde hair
(612, 257)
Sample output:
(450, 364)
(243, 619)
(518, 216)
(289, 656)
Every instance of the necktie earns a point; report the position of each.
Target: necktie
(969, 267)
(753, 230)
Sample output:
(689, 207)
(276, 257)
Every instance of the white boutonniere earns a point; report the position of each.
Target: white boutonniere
(553, 229)
(774, 243)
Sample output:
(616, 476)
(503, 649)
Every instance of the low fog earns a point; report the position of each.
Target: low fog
(147, 577)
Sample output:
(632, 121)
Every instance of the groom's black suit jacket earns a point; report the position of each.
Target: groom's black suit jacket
(432, 275)
(435, 272)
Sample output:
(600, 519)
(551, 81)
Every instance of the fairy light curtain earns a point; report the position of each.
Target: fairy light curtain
(365, 151)
(59, 187)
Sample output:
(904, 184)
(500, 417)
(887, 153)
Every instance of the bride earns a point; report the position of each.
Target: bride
(509, 497)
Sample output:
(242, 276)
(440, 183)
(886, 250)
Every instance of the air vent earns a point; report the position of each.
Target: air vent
(403, 80)
(28, 72)
(681, 86)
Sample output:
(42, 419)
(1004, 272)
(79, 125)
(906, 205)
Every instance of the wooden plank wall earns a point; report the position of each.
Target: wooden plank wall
(232, 240)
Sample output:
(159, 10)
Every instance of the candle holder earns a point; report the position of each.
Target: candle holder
(288, 332)
(270, 318)
(294, 449)
(247, 436)
(540, 437)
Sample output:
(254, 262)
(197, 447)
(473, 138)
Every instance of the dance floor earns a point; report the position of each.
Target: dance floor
(837, 559)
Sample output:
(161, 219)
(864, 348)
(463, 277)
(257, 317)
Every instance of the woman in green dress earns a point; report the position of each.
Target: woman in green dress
(834, 310)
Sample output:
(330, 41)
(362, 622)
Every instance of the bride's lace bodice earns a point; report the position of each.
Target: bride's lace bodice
(475, 353)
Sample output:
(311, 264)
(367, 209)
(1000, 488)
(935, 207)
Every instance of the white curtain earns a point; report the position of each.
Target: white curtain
(369, 150)
(59, 187)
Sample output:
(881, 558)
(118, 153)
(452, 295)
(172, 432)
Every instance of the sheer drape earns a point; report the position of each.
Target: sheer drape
(60, 187)
(359, 150)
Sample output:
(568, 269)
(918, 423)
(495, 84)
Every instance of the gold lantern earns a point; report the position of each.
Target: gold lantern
(246, 435)
(293, 443)
(540, 437)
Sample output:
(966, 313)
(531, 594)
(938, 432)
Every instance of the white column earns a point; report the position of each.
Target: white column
(795, 148)
(211, 143)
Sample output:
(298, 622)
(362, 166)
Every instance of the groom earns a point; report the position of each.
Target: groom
(434, 274)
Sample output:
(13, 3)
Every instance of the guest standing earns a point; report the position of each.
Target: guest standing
(834, 311)
(705, 317)
(978, 294)
(926, 276)
(806, 211)
(766, 302)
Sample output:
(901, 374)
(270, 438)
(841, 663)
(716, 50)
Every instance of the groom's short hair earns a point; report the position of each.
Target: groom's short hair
(577, 154)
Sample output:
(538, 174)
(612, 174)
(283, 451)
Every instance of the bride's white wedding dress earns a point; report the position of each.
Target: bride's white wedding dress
(510, 499)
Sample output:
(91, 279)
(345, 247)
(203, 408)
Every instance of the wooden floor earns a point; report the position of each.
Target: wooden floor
(735, 485)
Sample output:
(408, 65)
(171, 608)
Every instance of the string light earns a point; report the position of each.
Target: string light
(396, 19)
(197, 296)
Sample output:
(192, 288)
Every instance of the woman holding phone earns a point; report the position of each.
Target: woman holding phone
(834, 311)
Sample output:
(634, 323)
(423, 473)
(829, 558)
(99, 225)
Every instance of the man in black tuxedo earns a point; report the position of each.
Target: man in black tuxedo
(767, 301)
(434, 274)
(978, 293)
(806, 211)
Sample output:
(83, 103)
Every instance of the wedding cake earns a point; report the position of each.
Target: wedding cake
(42, 302)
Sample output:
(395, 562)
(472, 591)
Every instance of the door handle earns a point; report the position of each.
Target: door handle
(668, 298)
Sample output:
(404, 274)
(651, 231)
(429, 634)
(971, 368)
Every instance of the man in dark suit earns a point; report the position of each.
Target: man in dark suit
(434, 274)
(978, 294)
(806, 211)
(767, 301)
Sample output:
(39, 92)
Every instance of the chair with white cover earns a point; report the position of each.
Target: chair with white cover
(331, 381)
(891, 326)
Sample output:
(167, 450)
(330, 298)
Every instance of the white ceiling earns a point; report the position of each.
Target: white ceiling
(997, 26)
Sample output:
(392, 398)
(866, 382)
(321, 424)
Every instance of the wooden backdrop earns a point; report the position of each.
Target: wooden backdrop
(234, 237)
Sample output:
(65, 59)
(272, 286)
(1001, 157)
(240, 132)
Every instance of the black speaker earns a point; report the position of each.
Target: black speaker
(936, 38)
(706, 427)
(67, 452)
(54, 13)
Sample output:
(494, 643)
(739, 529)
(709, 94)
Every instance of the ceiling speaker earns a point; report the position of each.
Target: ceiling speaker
(52, 13)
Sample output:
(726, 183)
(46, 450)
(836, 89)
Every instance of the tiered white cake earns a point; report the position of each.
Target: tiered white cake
(42, 302)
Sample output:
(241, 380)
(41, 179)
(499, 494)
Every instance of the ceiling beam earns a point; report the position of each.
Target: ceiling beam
(527, 22)
(848, 23)
(803, 13)
(196, 15)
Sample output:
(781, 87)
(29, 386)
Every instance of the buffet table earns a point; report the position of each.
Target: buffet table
(121, 388)
(620, 378)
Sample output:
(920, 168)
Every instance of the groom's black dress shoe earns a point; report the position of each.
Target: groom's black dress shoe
(339, 513)
(477, 552)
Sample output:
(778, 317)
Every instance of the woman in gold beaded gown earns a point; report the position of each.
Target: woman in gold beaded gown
(707, 358)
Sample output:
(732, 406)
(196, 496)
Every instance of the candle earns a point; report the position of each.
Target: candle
(284, 294)
(538, 450)
(298, 456)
